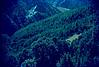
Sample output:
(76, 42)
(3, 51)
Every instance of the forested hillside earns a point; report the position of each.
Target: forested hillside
(63, 40)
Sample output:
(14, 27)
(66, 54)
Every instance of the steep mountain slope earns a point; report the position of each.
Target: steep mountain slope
(43, 44)
(20, 13)
(50, 23)
(31, 11)
(68, 3)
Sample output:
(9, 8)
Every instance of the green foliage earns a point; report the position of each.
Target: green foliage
(46, 40)
(29, 63)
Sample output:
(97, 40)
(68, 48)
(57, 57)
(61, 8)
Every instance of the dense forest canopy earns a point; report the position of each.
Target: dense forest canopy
(49, 33)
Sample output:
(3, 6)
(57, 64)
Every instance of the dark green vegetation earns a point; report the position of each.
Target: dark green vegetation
(43, 44)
